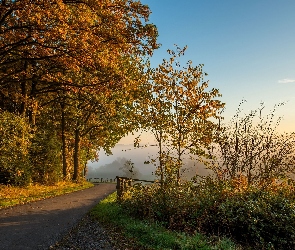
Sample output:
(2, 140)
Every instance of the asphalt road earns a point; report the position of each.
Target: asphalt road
(38, 225)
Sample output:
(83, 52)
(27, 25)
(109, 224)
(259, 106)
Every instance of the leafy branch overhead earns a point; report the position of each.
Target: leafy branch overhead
(72, 69)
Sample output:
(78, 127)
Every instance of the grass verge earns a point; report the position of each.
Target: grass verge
(10, 196)
(129, 233)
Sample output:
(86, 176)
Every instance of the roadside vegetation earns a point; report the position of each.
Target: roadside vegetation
(126, 231)
(14, 195)
(252, 217)
(248, 198)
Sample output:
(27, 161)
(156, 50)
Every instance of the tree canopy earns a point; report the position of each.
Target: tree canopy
(78, 63)
(179, 111)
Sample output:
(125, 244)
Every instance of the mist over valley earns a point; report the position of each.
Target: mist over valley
(110, 166)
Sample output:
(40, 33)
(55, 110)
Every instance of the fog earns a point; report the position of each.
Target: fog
(110, 166)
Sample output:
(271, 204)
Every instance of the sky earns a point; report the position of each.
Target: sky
(247, 48)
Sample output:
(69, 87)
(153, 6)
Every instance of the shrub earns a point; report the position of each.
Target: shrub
(14, 143)
(251, 146)
(45, 156)
(250, 197)
(143, 234)
(249, 215)
(253, 216)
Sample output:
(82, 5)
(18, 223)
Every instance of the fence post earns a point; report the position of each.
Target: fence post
(122, 184)
(118, 187)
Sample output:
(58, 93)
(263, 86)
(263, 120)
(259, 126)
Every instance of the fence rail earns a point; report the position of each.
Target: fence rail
(124, 182)
(98, 180)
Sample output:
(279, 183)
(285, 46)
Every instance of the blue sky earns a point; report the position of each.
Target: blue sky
(247, 47)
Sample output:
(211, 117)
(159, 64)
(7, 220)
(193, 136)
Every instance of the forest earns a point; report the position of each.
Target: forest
(75, 77)
(70, 72)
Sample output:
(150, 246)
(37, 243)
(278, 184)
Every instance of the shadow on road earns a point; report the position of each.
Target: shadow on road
(39, 224)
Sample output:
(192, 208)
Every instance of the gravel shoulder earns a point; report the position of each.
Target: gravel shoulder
(88, 234)
(39, 225)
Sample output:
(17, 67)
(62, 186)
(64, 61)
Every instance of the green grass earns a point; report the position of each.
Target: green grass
(10, 196)
(140, 234)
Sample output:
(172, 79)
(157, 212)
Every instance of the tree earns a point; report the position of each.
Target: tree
(90, 47)
(179, 111)
(250, 147)
(99, 120)
(88, 36)
(44, 151)
(129, 170)
(15, 140)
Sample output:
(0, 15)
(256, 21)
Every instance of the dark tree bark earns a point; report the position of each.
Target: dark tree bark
(76, 154)
(63, 138)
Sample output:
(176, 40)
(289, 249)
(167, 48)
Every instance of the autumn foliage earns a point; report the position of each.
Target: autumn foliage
(70, 69)
(180, 110)
(248, 197)
(75, 77)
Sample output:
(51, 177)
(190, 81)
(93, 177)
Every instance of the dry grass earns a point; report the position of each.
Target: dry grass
(10, 196)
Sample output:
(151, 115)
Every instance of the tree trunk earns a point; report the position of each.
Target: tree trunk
(179, 161)
(161, 160)
(34, 104)
(23, 106)
(63, 138)
(76, 154)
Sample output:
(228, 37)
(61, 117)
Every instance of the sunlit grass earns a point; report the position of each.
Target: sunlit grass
(10, 196)
(140, 234)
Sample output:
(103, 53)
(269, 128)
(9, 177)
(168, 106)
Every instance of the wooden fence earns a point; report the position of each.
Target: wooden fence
(101, 180)
(123, 183)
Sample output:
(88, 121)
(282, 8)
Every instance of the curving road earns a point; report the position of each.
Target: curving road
(38, 225)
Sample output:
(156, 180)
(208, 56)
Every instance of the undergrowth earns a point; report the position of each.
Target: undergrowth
(145, 234)
(11, 195)
(255, 217)
(249, 197)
